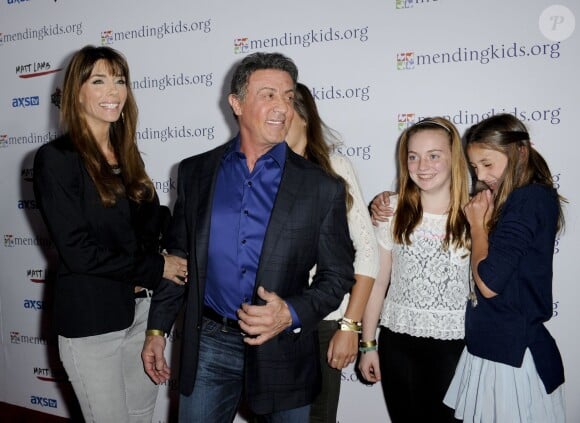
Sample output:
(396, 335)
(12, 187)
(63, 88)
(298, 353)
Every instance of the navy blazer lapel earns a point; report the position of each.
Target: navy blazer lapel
(292, 180)
(203, 200)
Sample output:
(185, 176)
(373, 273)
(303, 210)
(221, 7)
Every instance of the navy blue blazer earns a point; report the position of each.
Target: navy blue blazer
(308, 226)
(103, 251)
(519, 269)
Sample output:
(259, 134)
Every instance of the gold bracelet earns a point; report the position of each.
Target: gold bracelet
(154, 332)
(366, 346)
(350, 325)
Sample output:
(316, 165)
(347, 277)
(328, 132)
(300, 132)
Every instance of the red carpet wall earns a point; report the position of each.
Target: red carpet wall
(375, 67)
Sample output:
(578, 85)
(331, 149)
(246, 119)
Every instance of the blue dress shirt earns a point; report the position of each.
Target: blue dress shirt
(241, 209)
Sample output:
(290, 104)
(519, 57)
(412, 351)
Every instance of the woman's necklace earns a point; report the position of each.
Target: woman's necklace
(116, 169)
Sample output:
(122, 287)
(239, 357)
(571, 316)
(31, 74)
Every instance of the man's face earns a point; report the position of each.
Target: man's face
(266, 111)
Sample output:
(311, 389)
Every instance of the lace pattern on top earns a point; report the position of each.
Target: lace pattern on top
(429, 286)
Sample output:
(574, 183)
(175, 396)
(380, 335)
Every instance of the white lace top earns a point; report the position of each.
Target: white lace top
(366, 258)
(429, 286)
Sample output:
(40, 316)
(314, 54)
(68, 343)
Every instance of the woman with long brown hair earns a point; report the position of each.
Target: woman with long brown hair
(101, 210)
(309, 137)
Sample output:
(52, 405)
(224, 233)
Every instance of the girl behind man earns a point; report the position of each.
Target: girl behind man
(338, 347)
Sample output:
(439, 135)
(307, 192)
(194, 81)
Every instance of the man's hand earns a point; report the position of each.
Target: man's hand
(263, 322)
(342, 349)
(380, 207)
(154, 360)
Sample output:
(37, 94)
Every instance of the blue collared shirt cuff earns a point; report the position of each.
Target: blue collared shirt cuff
(295, 327)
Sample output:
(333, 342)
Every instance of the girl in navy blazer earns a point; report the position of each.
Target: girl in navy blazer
(511, 370)
(101, 210)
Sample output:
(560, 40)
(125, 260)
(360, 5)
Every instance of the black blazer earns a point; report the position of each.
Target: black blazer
(308, 226)
(104, 251)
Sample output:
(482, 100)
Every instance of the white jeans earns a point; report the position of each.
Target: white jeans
(107, 374)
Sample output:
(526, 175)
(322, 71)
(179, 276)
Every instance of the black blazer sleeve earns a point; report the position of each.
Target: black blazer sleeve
(167, 299)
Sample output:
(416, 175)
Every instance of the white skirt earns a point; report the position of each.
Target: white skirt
(484, 391)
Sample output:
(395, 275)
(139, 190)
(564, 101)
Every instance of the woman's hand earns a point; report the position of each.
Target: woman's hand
(342, 349)
(380, 210)
(175, 269)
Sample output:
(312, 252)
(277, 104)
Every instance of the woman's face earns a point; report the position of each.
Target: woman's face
(296, 138)
(489, 165)
(102, 97)
(429, 160)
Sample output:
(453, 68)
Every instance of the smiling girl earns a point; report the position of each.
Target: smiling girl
(424, 256)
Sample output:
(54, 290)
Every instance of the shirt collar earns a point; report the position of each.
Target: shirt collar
(278, 152)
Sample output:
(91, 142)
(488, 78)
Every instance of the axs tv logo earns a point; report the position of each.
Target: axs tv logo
(25, 102)
(43, 401)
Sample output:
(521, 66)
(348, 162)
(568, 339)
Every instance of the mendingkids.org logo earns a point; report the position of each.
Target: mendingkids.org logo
(42, 32)
(358, 151)
(338, 93)
(43, 401)
(411, 60)
(162, 82)
(158, 31)
(471, 117)
(165, 186)
(24, 102)
(170, 133)
(12, 241)
(407, 4)
(18, 338)
(244, 45)
(32, 138)
(34, 69)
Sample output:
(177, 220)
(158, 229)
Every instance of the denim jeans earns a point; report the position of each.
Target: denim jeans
(220, 379)
(107, 374)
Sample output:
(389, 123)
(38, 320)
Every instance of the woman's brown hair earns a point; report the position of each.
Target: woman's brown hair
(134, 182)
(317, 149)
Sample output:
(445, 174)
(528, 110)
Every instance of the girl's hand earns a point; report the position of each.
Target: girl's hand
(369, 366)
(479, 209)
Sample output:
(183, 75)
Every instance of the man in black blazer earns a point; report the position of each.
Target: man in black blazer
(252, 218)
